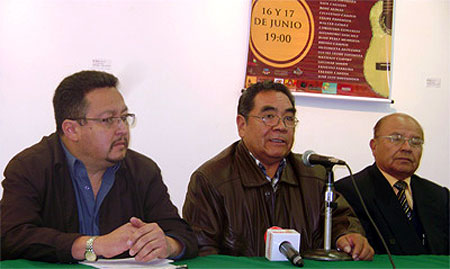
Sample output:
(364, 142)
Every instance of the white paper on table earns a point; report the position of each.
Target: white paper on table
(130, 263)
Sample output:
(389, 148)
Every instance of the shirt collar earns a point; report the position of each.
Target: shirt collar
(408, 191)
(392, 179)
(71, 160)
(261, 166)
(276, 178)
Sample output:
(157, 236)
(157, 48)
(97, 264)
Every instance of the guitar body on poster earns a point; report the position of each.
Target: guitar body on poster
(378, 56)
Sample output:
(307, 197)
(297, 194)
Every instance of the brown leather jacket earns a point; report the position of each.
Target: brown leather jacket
(230, 204)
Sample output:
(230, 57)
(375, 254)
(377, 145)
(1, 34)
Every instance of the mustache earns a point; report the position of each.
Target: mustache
(408, 157)
(120, 140)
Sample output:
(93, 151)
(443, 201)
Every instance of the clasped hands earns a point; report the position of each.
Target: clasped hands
(144, 241)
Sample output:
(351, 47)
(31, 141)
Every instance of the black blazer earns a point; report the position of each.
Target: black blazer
(431, 208)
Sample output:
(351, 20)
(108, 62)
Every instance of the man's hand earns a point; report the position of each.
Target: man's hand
(108, 245)
(356, 245)
(149, 242)
(114, 243)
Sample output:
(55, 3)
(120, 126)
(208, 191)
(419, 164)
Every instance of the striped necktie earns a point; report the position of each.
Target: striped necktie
(401, 196)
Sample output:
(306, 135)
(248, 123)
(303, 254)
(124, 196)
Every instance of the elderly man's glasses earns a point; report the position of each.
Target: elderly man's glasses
(273, 120)
(128, 119)
(400, 140)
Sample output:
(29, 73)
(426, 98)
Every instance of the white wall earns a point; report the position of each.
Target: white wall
(182, 65)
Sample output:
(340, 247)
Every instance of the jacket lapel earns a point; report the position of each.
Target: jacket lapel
(251, 175)
(430, 214)
(68, 208)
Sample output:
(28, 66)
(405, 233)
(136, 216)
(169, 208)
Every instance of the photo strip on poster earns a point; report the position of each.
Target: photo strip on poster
(323, 47)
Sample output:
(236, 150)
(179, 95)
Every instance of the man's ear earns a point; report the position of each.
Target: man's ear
(71, 129)
(373, 146)
(241, 123)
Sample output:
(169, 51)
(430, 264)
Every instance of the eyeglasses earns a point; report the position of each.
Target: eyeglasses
(273, 120)
(128, 119)
(400, 140)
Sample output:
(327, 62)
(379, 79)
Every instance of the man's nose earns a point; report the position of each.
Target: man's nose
(405, 145)
(122, 126)
(280, 126)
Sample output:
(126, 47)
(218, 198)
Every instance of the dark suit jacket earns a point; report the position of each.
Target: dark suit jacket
(431, 206)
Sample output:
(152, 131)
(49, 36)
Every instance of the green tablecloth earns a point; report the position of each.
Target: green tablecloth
(222, 261)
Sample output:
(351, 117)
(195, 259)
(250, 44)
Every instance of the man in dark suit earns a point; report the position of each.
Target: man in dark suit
(413, 218)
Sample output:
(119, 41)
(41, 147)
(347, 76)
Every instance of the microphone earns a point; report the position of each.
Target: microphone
(310, 158)
(289, 251)
(279, 245)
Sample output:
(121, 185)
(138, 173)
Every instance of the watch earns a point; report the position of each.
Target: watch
(89, 254)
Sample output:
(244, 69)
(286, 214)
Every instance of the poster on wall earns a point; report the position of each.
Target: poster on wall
(324, 47)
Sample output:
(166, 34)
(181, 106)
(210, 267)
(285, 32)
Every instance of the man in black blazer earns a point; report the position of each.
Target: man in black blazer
(418, 224)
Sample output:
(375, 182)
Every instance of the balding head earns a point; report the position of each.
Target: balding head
(397, 145)
(399, 116)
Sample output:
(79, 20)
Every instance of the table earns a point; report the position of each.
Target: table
(223, 261)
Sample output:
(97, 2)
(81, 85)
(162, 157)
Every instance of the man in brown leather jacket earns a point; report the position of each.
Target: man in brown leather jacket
(258, 182)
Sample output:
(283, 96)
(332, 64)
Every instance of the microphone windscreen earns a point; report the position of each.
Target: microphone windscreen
(274, 228)
(306, 156)
(277, 236)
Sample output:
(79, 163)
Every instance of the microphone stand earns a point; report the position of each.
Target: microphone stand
(327, 254)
